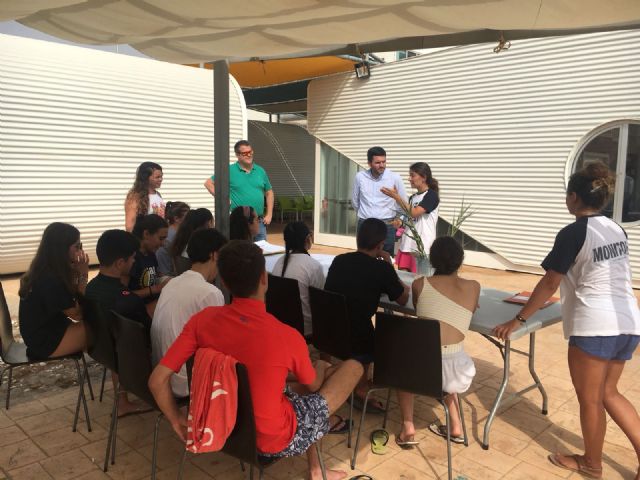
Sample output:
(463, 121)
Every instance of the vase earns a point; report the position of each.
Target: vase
(423, 266)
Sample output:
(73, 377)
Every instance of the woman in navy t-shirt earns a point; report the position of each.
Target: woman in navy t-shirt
(151, 231)
(590, 263)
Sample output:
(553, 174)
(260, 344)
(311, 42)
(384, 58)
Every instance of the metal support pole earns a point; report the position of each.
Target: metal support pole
(221, 144)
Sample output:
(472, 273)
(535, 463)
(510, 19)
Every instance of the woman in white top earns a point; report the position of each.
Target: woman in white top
(451, 300)
(143, 197)
(423, 206)
(590, 263)
(299, 265)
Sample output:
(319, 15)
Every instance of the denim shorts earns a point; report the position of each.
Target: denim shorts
(617, 347)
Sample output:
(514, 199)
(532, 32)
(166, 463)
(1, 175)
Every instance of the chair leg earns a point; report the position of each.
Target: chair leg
(154, 454)
(464, 427)
(321, 461)
(242, 467)
(112, 426)
(350, 421)
(448, 423)
(82, 375)
(251, 472)
(104, 377)
(364, 411)
(386, 410)
(86, 374)
(182, 461)
(9, 387)
(114, 438)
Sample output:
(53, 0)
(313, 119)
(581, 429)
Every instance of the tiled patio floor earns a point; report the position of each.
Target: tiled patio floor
(36, 441)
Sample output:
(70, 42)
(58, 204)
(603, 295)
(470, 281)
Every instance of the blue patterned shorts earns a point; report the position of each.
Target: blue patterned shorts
(312, 413)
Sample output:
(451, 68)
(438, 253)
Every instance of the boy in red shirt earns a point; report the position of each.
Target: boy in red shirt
(287, 423)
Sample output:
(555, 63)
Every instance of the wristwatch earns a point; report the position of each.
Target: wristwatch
(521, 319)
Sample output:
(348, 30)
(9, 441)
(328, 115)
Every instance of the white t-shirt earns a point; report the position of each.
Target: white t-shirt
(156, 204)
(425, 223)
(308, 272)
(596, 292)
(181, 298)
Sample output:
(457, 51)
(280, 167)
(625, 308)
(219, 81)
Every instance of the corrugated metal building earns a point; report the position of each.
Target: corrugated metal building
(502, 130)
(74, 125)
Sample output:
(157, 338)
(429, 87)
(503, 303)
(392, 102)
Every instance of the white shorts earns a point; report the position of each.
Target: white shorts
(458, 370)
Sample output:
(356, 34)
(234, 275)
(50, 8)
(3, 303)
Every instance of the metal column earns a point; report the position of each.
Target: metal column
(221, 144)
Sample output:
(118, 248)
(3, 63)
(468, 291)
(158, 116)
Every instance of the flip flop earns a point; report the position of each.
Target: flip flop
(344, 428)
(379, 439)
(362, 477)
(441, 431)
(406, 444)
(358, 403)
(581, 467)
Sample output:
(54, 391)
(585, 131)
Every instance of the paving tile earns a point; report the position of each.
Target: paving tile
(130, 466)
(10, 435)
(68, 465)
(30, 472)
(491, 459)
(214, 463)
(5, 421)
(170, 452)
(21, 410)
(189, 472)
(94, 475)
(19, 454)
(395, 469)
(46, 422)
(59, 441)
(96, 450)
(526, 471)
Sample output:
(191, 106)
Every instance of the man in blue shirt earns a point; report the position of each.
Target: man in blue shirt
(368, 199)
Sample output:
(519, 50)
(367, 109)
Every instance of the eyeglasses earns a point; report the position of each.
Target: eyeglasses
(245, 154)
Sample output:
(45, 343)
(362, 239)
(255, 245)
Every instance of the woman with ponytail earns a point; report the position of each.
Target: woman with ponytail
(299, 265)
(590, 262)
(423, 207)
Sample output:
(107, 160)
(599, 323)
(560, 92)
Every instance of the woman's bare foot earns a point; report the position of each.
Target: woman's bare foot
(331, 475)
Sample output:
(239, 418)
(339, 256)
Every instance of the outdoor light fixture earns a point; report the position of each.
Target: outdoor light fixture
(362, 68)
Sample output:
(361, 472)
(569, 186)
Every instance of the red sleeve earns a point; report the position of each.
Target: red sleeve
(302, 367)
(183, 347)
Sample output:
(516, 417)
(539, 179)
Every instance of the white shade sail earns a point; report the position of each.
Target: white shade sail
(190, 31)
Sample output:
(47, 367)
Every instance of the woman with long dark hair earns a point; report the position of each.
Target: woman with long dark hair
(144, 281)
(50, 316)
(143, 197)
(600, 318)
(175, 213)
(299, 265)
(423, 207)
(195, 220)
(244, 224)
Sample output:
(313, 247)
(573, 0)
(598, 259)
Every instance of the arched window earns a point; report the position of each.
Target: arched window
(616, 144)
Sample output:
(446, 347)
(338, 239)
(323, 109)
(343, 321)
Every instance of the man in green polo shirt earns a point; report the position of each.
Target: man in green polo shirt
(248, 186)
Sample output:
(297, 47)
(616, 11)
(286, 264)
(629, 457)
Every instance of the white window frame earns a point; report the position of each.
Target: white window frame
(621, 162)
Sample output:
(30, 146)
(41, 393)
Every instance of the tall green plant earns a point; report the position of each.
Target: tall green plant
(459, 216)
(412, 232)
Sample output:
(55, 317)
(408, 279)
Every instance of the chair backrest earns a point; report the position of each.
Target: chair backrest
(330, 323)
(100, 342)
(407, 353)
(241, 443)
(6, 330)
(134, 359)
(283, 301)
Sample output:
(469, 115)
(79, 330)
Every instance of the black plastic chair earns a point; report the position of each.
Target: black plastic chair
(101, 347)
(331, 330)
(241, 443)
(408, 357)
(283, 301)
(14, 354)
(134, 370)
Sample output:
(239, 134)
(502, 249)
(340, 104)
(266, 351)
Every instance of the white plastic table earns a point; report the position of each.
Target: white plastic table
(493, 311)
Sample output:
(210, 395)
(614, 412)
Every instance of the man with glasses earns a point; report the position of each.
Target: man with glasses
(248, 186)
(368, 200)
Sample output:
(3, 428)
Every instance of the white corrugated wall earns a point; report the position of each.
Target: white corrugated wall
(287, 153)
(496, 128)
(74, 125)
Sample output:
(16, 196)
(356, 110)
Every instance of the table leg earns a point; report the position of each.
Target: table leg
(496, 403)
(534, 375)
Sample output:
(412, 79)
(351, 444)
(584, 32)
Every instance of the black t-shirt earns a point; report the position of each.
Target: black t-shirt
(144, 273)
(110, 294)
(362, 280)
(429, 202)
(41, 317)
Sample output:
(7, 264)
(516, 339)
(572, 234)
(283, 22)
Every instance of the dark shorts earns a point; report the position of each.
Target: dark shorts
(312, 414)
(43, 343)
(617, 347)
(363, 358)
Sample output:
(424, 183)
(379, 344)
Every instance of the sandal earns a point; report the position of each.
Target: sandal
(441, 431)
(581, 467)
(405, 444)
(379, 439)
(362, 477)
(341, 426)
